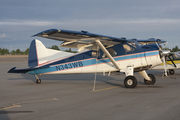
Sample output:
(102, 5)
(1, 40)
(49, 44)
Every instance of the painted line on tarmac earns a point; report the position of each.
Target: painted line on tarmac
(10, 107)
(105, 89)
(19, 104)
(36, 101)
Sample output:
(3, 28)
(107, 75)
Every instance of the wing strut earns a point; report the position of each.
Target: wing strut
(107, 54)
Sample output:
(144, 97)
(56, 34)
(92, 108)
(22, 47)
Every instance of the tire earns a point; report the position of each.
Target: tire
(130, 82)
(152, 82)
(171, 72)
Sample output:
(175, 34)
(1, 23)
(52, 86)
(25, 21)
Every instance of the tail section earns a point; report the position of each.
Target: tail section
(39, 54)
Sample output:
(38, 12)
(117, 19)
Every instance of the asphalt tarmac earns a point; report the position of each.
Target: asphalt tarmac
(70, 97)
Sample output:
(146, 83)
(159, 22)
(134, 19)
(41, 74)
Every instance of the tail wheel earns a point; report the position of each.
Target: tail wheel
(171, 72)
(150, 82)
(130, 82)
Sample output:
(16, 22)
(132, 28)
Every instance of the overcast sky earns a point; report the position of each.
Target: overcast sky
(140, 19)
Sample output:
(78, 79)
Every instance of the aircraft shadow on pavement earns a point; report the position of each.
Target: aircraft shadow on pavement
(62, 77)
(88, 77)
(13, 112)
(110, 80)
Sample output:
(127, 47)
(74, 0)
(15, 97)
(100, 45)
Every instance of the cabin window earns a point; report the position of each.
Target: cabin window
(95, 54)
(131, 46)
(111, 51)
(128, 48)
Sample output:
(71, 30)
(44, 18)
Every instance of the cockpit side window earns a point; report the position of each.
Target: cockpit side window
(127, 48)
(111, 51)
(95, 54)
(130, 46)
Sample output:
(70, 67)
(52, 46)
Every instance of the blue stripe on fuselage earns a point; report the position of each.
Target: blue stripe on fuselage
(68, 64)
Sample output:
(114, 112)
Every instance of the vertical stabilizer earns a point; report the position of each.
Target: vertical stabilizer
(39, 54)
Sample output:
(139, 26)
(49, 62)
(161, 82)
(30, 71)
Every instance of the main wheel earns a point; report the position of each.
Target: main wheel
(171, 72)
(152, 81)
(38, 81)
(130, 82)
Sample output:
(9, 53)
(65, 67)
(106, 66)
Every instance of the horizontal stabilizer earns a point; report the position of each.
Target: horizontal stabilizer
(14, 70)
(25, 70)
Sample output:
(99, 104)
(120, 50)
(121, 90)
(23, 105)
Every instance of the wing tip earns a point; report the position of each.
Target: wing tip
(49, 31)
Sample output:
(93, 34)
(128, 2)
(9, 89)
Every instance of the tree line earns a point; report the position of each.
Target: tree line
(5, 51)
(174, 49)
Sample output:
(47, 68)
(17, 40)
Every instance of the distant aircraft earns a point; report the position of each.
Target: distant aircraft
(103, 54)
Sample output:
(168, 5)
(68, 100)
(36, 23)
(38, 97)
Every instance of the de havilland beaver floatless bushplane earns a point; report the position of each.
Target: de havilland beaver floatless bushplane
(96, 53)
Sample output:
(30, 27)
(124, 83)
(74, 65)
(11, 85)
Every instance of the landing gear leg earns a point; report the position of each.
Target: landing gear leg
(152, 82)
(149, 79)
(38, 80)
(130, 81)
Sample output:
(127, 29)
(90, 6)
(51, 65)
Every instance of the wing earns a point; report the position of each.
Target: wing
(151, 41)
(79, 39)
(84, 39)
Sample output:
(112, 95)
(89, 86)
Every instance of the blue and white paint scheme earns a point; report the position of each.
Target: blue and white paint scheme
(97, 53)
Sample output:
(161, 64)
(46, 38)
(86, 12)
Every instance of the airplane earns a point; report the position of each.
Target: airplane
(96, 53)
